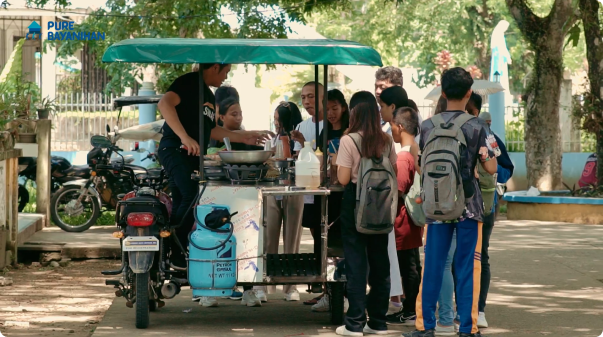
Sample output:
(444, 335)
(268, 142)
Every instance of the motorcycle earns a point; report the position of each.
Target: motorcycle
(61, 170)
(142, 220)
(78, 204)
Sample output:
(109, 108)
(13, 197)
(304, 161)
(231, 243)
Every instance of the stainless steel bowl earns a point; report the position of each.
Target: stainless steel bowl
(244, 157)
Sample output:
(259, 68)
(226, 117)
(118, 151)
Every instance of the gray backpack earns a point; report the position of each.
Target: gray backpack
(442, 184)
(376, 192)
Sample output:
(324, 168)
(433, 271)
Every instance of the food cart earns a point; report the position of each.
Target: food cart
(247, 196)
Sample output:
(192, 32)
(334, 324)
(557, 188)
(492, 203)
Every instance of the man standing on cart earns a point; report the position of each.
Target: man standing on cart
(179, 147)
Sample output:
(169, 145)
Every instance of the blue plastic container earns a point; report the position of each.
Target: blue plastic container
(212, 272)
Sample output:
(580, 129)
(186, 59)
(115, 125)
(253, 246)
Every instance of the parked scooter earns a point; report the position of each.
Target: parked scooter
(61, 170)
(78, 204)
(142, 219)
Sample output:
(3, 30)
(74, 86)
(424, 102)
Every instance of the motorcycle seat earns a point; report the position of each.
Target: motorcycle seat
(153, 174)
(78, 171)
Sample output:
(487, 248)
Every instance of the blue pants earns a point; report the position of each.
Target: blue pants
(446, 299)
(467, 262)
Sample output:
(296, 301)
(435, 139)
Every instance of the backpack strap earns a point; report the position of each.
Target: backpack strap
(357, 138)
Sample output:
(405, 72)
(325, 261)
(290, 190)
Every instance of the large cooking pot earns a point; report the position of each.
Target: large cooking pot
(245, 157)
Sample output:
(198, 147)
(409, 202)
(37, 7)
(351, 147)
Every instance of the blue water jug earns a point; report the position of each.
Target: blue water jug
(212, 266)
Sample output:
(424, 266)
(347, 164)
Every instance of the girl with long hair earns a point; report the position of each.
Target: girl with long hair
(363, 253)
(282, 212)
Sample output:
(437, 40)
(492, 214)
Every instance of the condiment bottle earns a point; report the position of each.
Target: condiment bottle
(286, 146)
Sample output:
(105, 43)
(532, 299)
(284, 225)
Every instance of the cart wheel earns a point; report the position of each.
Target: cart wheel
(336, 299)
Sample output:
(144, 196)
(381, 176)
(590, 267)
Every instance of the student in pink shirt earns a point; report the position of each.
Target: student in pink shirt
(363, 252)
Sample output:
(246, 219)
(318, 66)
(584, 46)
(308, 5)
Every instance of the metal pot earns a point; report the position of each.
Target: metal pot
(244, 157)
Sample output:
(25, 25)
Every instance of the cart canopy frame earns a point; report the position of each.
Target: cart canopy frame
(242, 51)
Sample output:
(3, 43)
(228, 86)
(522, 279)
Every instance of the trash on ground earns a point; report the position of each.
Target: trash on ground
(186, 311)
(242, 330)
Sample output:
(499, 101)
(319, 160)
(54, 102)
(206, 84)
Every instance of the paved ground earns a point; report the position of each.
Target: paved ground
(547, 281)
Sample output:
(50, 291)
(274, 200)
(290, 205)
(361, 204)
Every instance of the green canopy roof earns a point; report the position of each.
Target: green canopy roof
(240, 51)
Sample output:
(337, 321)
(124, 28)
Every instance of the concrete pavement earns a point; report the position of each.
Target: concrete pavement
(547, 280)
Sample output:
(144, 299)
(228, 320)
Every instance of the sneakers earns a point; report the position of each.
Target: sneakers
(292, 296)
(236, 294)
(393, 308)
(196, 299)
(462, 334)
(417, 333)
(208, 302)
(261, 294)
(445, 330)
(323, 306)
(250, 299)
(402, 318)
(342, 331)
(313, 301)
(481, 320)
(369, 331)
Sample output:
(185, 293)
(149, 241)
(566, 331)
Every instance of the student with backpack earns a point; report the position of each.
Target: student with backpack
(366, 161)
(410, 218)
(452, 143)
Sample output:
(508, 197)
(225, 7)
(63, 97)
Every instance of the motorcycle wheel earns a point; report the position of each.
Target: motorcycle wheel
(23, 197)
(59, 221)
(142, 301)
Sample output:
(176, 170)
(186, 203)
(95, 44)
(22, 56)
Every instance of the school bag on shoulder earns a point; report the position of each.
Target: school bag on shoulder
(487, 184)
(376, 192)
(443, 195)
(414, 210)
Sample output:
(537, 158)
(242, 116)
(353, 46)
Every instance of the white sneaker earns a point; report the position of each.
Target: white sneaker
(367, 330)
(323, 306)
(481, 320)
(292, 295)
(392, 309)
(445, 330)
(261, 295)
(250, 299)
(208, 301)
(342, 331)
(196, 299)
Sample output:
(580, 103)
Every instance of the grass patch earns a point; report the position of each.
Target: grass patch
(503, 209)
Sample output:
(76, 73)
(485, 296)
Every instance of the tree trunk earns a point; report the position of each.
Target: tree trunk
(543, 135)
(594, 54)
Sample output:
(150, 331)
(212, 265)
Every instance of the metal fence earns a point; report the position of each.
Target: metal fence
(81, 116)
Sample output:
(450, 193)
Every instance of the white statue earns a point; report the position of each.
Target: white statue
(500, 54)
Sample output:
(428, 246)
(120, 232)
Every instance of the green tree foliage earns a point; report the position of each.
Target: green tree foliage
(121, 19)
(412, 32)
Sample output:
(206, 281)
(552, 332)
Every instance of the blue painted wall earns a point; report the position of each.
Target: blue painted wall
(572, 166)
(79, 157)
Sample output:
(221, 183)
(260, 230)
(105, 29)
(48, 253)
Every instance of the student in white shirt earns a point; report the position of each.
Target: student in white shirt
(306, 130)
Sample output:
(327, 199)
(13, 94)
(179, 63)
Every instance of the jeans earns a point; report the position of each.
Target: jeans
(445, 301)
(362, 252)
(485, 280)
(179, 167)
(411, 279)
(468, 272)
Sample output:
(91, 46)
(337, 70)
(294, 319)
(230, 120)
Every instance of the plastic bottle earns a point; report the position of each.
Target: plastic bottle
(307, 168)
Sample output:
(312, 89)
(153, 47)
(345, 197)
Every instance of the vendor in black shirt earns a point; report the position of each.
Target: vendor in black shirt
(180, 108)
